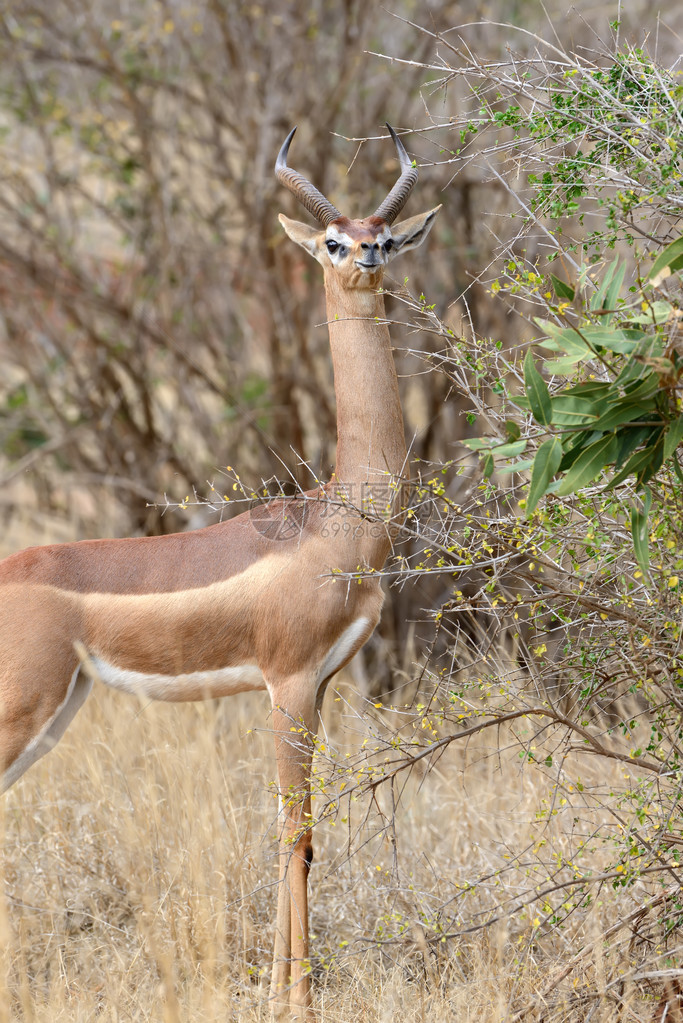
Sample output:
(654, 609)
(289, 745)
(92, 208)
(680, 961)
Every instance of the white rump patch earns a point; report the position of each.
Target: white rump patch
(195, 685)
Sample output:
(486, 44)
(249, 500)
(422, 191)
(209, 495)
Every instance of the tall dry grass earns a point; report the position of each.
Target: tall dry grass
(139, 867)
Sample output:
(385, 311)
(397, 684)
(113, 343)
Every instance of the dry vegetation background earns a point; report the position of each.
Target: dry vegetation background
(155, 329)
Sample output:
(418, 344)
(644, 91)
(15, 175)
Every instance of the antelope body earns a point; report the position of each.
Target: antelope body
(243, 604)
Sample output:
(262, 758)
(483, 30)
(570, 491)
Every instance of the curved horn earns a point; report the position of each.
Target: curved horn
(307, 194)
(396, 200)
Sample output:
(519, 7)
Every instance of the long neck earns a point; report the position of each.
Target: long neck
(370, 439)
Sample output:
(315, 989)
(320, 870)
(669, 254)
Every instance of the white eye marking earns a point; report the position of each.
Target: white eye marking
(337, 245)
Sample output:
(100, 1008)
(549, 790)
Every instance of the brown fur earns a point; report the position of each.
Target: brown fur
(361, 230)
(240, 595)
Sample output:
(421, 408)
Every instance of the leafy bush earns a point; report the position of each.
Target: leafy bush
(561, 555)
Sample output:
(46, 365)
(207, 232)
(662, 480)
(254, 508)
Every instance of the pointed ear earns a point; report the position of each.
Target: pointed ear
(412, 232)
(302, 234)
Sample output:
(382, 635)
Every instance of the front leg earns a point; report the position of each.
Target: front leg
(294, 718)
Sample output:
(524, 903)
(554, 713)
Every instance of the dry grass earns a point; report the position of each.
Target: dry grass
(139, 866)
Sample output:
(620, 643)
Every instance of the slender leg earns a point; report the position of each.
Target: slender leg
(41, 683)
(290, 985)
(47, 737)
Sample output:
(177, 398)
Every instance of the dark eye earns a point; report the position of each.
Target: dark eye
(389, 244)
(332, 246)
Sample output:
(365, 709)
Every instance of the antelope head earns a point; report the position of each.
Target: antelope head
(355, 252)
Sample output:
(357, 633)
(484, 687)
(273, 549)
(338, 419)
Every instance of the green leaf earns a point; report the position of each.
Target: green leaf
(512, 430)
(565, 365)
(607, 294)
(625, 411)
(628, 440)
(521, 401)
(549, 327)
(477, 443)
(614, 289)
(537, 392)
(639, 533)
(622, 340)
(636, 464)
(581, 342)
(546, 464)
(510, 450)
(656, 458)
(667, 262)
(657, 312)
(590, 462)
(590, 389)
(574, 410)
(611, 286)
(673, 436)
(575, 445)
(522, 466)
(561, 289)
(645, 388)
(562, 339)
(488, 466)
(636, 367)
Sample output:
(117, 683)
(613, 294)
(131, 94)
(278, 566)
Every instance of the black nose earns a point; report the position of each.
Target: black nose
(367, 245)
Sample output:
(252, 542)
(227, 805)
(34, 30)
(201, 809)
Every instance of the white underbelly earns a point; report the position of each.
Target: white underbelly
(239, 678)
(194, 685)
